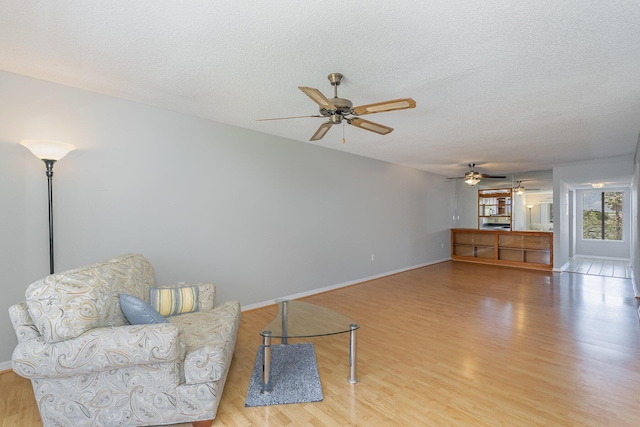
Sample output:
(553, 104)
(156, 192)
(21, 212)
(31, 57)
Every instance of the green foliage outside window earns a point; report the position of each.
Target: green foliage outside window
(602, 215)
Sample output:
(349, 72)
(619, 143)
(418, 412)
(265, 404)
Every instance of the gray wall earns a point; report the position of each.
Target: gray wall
(261, 216)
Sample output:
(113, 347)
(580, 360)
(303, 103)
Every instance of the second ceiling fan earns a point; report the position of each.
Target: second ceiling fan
(338, 109)
(472, 177)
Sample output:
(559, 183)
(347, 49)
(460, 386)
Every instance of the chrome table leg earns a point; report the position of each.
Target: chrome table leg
(353, 354)
(266, 362)
(285, 321)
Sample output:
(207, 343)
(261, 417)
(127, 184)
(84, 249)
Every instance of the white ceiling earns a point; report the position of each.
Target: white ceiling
(510, 85)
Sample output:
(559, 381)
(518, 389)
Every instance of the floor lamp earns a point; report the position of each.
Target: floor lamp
(49, 152)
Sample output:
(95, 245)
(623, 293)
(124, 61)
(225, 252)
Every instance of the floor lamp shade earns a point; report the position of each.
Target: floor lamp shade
(49, 152)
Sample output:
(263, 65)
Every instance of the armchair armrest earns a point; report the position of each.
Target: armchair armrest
(98, 350)
(22, 322)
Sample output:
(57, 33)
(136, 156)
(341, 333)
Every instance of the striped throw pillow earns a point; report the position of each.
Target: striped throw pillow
(172, 301)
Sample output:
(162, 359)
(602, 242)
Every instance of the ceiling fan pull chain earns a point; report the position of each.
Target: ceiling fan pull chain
(343, 140)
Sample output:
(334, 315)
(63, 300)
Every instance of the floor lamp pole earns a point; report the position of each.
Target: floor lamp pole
(49, 152)
(49, 164)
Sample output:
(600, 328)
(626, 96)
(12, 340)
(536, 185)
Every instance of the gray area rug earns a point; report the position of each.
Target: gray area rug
(294, 376)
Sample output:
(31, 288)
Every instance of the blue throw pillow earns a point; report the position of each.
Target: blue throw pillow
(139, 312)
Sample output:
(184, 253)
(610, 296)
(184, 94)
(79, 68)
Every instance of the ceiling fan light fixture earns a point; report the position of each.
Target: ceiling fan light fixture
(335, 119)
(471, 180)
(519, 189)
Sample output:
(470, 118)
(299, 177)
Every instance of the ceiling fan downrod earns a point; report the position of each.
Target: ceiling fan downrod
(335, 79)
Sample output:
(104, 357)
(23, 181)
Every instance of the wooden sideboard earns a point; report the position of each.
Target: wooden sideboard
(524, 249)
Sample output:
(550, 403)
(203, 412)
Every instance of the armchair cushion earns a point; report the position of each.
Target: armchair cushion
(139, 312)
(68, 304)
(210, 338)
(207, 297)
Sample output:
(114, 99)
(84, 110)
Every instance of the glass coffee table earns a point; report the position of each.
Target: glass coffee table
(298, 319)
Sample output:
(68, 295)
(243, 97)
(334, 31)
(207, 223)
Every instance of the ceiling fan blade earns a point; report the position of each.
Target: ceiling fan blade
(463, 177)
(380, 107)
(322, 130)
(286, 118)
(370, 126)
(484, 175)
(317, 97)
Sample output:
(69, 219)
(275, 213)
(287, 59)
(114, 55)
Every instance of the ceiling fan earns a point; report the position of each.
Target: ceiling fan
(519, 189)
(339, 109)
(472, 177)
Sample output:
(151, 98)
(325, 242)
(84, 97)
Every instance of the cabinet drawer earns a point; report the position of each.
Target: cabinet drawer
(485, 252)
(511, 255)
(463, 238)
(510, 241)
(463, 250)
(537, 257)
(536, 242)
(484, 239)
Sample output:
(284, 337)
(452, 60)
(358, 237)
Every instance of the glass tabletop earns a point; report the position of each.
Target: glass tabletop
(298, 319)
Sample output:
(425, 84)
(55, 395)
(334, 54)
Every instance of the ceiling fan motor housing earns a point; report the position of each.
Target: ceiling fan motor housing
(343, 107)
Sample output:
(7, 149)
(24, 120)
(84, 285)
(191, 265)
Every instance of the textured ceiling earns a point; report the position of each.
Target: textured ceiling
(509, 85)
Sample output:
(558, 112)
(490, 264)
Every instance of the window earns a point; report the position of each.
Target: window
(602, 215)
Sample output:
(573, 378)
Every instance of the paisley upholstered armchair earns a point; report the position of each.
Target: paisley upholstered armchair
(90, 366)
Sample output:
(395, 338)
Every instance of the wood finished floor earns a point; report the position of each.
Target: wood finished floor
(454, 344)
(600, 267)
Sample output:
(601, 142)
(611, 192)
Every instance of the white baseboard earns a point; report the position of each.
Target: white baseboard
(5, 366)
(561, 269)
(338, 286)
(601, 257)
